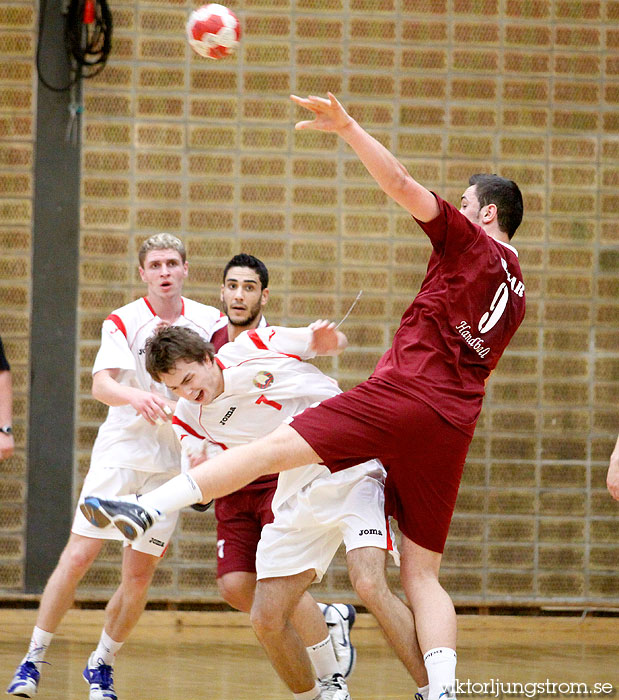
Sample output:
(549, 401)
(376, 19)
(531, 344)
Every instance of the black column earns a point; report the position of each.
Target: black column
(54, 313)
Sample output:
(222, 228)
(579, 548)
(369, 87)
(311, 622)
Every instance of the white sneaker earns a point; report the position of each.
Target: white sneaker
(100, 678)
(340, 618)
(334, 688)
(25, 681)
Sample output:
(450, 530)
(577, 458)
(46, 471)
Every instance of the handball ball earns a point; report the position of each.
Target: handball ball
(213, 31)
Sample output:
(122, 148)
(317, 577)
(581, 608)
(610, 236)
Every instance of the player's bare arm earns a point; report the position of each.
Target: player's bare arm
(612, 478)
(326, 339)
(388, 172)
(150, 406)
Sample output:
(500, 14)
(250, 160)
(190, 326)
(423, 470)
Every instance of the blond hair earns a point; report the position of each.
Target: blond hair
(161, 241)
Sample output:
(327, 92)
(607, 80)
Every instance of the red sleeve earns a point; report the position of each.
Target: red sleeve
(450, 232)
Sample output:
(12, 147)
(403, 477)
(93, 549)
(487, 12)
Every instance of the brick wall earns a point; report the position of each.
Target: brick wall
(207, 150)
(17, 126)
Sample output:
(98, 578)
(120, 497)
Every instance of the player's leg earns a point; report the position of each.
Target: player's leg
(281, 450)
(121, 615)
(240, 519)
(237, 589)
(58, 596)
(310, 624)
(275, 601)
(366, 567)
(294, 551)
(435, 616)
(127, 604)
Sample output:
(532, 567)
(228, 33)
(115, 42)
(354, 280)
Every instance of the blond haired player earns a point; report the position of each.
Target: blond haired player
(135, 450)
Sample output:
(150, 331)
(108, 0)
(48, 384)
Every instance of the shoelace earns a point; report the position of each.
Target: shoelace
(27, 670)
(333, 682)
(102, 675)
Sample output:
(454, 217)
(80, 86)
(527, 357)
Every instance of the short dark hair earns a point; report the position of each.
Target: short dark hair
(493, 189)
(246, 260)
(171, 344)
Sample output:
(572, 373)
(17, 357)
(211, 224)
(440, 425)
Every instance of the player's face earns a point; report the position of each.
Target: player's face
(242, 297)
(469, 205)
(164, 273)
(200, 382)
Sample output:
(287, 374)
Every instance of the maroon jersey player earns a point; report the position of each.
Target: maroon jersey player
(418, 410)
(242, 515)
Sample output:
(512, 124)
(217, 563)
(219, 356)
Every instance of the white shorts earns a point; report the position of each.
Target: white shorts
(113, 482)
(309, 526)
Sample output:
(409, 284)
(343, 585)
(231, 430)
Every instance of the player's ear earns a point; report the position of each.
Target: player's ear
(265, 296)
(221, 293)
(490, 213)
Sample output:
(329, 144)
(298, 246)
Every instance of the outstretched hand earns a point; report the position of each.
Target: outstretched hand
(330, 115)
(326, 339)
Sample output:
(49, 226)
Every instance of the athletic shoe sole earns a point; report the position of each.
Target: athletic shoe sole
(95, 517)
(96, 513)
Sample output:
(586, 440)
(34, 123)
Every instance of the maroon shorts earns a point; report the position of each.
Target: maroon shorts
(240, 519)
(422, 453)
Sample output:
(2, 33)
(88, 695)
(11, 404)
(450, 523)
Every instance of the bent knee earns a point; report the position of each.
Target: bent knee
(237, 597)
(370, 588)
(266, 620)
(78, 557)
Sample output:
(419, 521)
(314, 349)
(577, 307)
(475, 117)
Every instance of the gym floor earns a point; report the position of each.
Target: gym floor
(191, 655)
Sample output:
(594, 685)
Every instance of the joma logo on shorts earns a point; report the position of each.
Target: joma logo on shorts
(370, 532)
(159, 543)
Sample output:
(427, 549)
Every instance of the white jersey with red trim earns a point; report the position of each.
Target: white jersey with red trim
(266, 381)
(127, 440)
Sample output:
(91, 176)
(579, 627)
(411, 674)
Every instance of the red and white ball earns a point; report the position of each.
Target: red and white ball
(213, 31)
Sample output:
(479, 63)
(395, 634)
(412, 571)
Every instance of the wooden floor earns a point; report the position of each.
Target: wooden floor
(191, 655)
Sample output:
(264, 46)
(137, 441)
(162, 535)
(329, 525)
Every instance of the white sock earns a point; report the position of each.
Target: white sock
(423, 691)
(39, 643)
(313, 694)
(322, 656)
(175, 494)
(107, 649)
(441, 667)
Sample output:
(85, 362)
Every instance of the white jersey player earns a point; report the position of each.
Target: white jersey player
(139, 451)
(135, 450)
(265, 381)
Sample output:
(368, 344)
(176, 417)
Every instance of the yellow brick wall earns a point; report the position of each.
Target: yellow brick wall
(207, 150)
(17, 136)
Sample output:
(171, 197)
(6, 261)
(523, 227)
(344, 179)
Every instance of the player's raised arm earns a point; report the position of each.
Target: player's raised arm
(388, 172)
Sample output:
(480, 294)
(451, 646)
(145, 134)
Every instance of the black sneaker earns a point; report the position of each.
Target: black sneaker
(125, 513)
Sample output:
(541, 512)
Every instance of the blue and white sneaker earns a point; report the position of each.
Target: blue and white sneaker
(100, 678)
(126, 513)
(340, 619)
(334, 688)
(25, 681)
